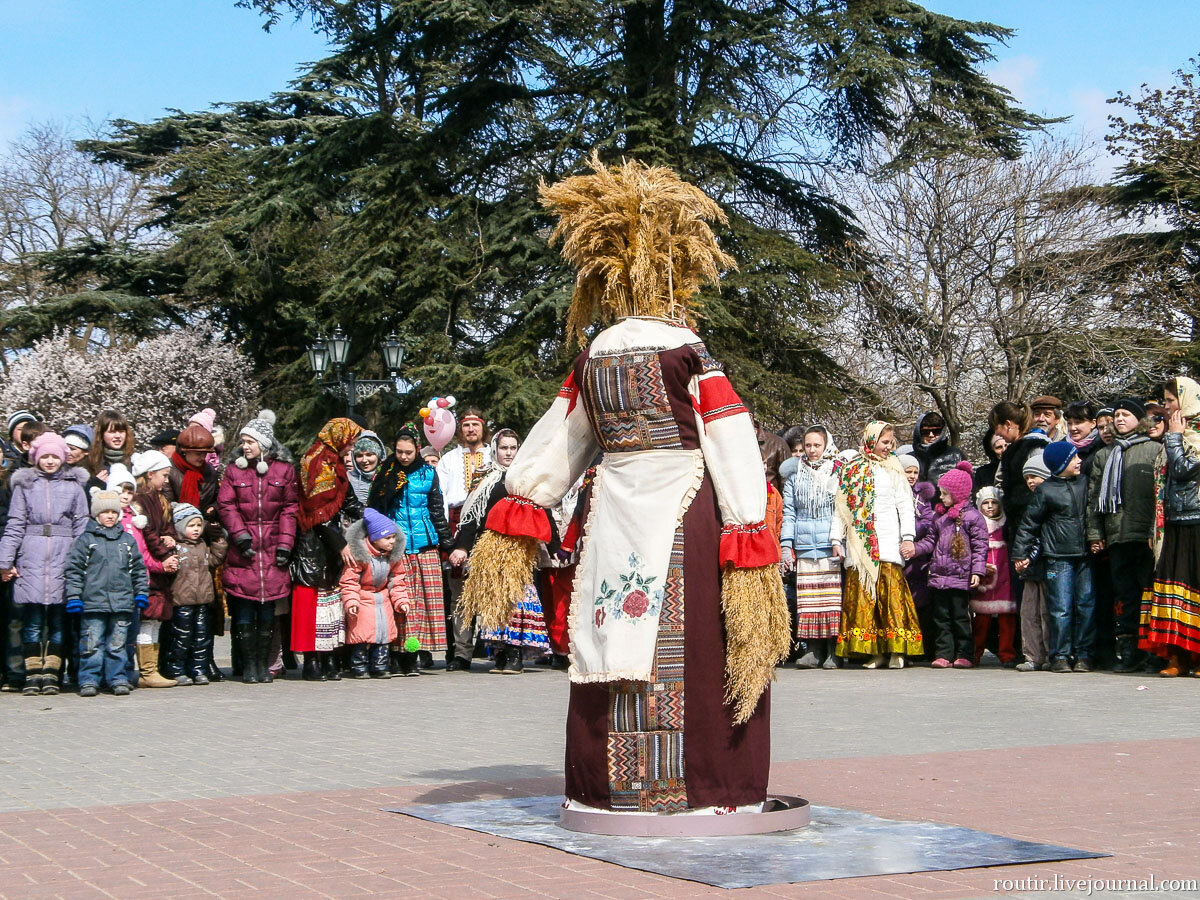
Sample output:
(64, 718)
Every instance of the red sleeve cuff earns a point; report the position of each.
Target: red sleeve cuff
(748, 546)
(519, 517)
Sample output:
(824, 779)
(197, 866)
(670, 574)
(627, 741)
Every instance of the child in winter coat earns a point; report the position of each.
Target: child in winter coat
(958, 546)
(47, 512)
(105, 582)
(993, 599)
(192, 592)
(1035, 621)
(156, 539)
(375, 596)
(122, 483)
(916, 569)
(1056, 516)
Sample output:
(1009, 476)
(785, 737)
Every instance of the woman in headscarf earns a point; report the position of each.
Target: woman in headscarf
(318, 619)
(808, 498)
(407, 491)
(526, 626)
(365, 458)
(1170, 625)
(873, 529)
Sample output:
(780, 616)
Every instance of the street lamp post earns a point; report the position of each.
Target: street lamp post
(335, 350)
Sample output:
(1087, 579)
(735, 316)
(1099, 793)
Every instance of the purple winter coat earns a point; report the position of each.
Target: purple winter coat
(264, 507)
(945, 572)
(916, 570)
(46, 515)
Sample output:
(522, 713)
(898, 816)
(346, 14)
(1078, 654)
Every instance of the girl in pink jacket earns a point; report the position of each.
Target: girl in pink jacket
(375, 597)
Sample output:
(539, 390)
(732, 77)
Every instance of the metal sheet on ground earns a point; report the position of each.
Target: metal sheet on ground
(839, 843)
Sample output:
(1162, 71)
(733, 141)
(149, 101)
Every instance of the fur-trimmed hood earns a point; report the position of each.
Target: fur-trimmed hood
(356, 537)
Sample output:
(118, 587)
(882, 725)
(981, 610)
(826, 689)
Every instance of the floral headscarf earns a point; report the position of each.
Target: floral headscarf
(323, 479)
(856, 503)
(1188, 392)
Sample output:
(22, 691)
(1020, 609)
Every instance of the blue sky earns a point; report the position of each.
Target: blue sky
(69, 59)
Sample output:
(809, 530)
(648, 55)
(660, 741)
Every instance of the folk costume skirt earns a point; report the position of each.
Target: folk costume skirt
(669, 744)
(526, 626)
(818, 598)
(426, 619)
(318, 619)
(1171, 607)
(885, 623)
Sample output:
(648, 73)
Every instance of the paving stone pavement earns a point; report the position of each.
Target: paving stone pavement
(233, 790)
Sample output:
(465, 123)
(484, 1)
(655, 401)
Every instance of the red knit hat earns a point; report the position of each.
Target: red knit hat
(957, 482)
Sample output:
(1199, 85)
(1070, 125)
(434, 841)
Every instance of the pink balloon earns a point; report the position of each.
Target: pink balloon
(443, 403)
(439, 427)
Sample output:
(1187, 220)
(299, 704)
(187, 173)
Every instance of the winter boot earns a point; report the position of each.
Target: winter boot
(312, 667)
(500, 658)
(382, 658)
(516, 661)
(264, 652)
(244, 637)
(331, 666)
(358, 660)
(51, 669)
(393, 661)
(33, 670)
(425, 658)
(148, 668)
(410, 665)
(1129, 658)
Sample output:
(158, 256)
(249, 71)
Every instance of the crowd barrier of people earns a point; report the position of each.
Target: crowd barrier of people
(1074, 545)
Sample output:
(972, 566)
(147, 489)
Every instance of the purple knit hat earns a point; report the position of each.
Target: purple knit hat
(48, 444)
(378, 525)
(957, 483)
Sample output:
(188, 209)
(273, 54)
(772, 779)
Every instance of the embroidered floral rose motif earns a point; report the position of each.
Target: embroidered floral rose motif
(636, 603)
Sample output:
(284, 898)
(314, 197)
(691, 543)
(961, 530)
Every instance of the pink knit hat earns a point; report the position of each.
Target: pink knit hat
(206, 418)
(48, 444)
(957, 482)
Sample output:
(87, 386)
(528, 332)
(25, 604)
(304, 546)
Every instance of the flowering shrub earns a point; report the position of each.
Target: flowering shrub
(156, 384)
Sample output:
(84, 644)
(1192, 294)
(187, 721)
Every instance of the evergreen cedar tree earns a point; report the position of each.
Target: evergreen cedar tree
(393, 184)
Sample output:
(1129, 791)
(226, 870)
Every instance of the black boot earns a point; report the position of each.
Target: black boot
(244, 636)
(211, 668)
(1129, 658)
(330, 666)
(359, 660)
(516, 661)
(500, 658)
(393, 666)
(410, 665)
(262, 646)
(425, 659)
(312, 668)
(560, 662)
(382, 659)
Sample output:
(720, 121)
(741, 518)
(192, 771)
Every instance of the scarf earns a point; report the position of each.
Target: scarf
(1189, 408)
(1114, 469)
(856, 504)
(390, 482)
(1091, 438)
(323, 479)
(193, 476)
(112, 457)
(360, 481)
(813, 494)
(475, 506)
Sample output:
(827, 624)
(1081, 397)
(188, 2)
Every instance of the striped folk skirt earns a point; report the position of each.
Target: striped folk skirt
(885, 623)
(1171, 608)
(526, 626)
(426, 619)
(818, 598)
(318, 619)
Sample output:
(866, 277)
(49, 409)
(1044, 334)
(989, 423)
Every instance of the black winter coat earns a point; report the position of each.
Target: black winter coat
(1016, 495)
(1183, 482)
(1057, 517)
(938, 458)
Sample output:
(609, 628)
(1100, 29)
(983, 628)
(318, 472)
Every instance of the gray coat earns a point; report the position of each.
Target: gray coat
(46, 515)
(1134, 519)
(105, 569)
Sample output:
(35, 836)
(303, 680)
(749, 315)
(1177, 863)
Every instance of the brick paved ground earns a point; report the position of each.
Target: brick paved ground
(277, 791)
